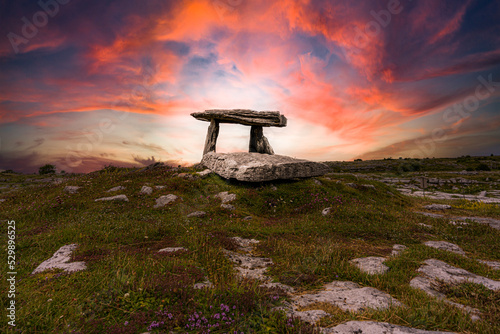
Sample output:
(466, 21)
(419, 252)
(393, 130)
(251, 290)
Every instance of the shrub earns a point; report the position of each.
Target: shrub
(47, 169)
(483, 167)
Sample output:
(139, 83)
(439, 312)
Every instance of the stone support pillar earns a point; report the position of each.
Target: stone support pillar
(212, 134)
(258, 142)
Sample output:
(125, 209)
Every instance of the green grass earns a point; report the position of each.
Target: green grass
(129, 285)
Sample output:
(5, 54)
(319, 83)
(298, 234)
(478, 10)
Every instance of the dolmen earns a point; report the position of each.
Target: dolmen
(260, 163)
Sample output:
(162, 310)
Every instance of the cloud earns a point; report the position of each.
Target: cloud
(358, 69)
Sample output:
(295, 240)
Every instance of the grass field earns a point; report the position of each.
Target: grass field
(131, 288)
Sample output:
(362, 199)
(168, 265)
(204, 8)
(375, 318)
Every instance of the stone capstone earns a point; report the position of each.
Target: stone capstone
(242, 116)
(255, 167)
(60, 260)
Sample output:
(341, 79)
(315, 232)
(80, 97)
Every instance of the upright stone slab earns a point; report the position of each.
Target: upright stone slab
(258, 142)
(212, 134)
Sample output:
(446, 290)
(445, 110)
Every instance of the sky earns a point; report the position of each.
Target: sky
(90, 83)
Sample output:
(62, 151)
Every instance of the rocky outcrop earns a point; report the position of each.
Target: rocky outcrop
(371, 265)
(444, 245)
(145, 190)
(372, 327)
(164, 200)
(255, 167)
(437, 207)
(60, 260)
(348, 296)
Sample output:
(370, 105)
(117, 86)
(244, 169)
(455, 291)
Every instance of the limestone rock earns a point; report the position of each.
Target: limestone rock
(71, 189)
(60, 260)
(172, 249)
(371, 265)
(255, 167)
(242, 116)
(326, 211)
(372, 327)
(398, 249)
(250, 266)
(245, 245)
(145, 190)
(123, 198)
(226, 197)
(427, 284)
(436, 269)
(437, 207)
(444, 245)
(164, 200)
(248, 218)
(2, 200)
(159, 187)
(228, 207)
(311, 316)
(116, 189)
(432, 215)
(205, 284)
(348, 296)
(198, 214)
(495, 265)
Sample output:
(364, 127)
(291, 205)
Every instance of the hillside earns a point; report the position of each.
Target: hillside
(277, 232)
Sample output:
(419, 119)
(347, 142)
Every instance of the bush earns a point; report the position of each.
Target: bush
(483, 167)
(47, 169)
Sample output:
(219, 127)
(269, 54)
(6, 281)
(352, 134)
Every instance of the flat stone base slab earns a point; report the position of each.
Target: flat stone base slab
(256, 167)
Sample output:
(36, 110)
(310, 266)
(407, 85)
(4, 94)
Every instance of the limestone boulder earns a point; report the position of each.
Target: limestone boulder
(60, 260)
(164, 200)
(372, 265)
(372, 327)
(117, 198)
(255, 167)
(348, 296)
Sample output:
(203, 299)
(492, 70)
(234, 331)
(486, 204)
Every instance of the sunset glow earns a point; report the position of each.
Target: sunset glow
(114, 82)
